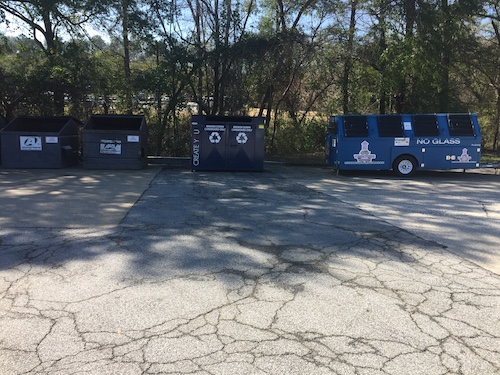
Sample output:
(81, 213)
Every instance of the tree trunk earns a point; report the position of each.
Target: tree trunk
(51, 52)
(445, 59)
(497, 128)
(126, 57)
(410, 19)
(196, 13)
(382, 47)
(159, 112)
(349, 58)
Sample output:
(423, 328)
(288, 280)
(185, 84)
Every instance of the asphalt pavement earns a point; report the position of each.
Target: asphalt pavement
(294, 270)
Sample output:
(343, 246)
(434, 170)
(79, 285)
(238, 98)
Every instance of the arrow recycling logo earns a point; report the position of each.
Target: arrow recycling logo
(214, 137)
(241, 138)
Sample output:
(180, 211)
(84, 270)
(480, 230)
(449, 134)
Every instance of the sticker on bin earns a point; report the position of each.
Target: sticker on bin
(133, 138)
(401, 141)
(242, 128)
(215, 128)
(51, 139)
(31, 143)
(110, 147)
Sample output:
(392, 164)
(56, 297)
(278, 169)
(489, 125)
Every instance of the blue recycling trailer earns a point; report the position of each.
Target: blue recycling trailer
(404, 143)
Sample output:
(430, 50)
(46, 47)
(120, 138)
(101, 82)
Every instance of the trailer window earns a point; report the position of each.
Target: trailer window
(460, 125)
(425, 126)
(355, 126)
(390, 126)
(333, 126)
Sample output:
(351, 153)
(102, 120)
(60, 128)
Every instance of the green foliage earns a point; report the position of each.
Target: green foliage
(283, 60)
(24, 73)
(293, 139)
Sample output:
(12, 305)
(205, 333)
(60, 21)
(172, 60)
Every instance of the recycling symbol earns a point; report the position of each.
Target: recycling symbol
(214, 137)
(242, 138)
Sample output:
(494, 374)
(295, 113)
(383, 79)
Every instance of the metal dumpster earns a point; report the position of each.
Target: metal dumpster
(115, 142)
(227, 143)
(40, 142)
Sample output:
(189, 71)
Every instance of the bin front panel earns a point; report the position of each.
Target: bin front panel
(114, 142)
(208, 144)
(213, 151)
(246, 146)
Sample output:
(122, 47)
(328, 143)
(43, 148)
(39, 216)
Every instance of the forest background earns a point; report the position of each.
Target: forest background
(293, 62)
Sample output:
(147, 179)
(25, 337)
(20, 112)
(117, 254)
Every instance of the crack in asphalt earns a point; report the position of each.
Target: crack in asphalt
(254, 279)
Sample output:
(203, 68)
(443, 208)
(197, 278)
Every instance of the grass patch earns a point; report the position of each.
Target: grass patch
(489, 156)
(300, 159)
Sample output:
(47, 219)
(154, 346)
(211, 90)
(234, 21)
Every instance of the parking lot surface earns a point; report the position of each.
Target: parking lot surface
(291, 271)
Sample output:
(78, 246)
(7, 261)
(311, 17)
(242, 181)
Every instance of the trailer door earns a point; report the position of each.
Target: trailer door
(465, 150)
(433, 150)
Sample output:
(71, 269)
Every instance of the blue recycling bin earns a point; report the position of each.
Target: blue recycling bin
(227, 143)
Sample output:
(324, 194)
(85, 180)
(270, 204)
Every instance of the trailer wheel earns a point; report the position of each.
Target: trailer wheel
(405, 165)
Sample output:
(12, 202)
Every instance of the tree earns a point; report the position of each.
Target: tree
(44, 20)
(481, 72)
(21, 69)
(217, 27)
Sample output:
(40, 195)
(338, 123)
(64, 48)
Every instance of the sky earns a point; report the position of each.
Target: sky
(14, 29)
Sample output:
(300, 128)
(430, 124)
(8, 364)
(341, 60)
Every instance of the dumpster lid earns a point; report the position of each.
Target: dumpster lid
(115, 122)
(220, 118)
(39, 124)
